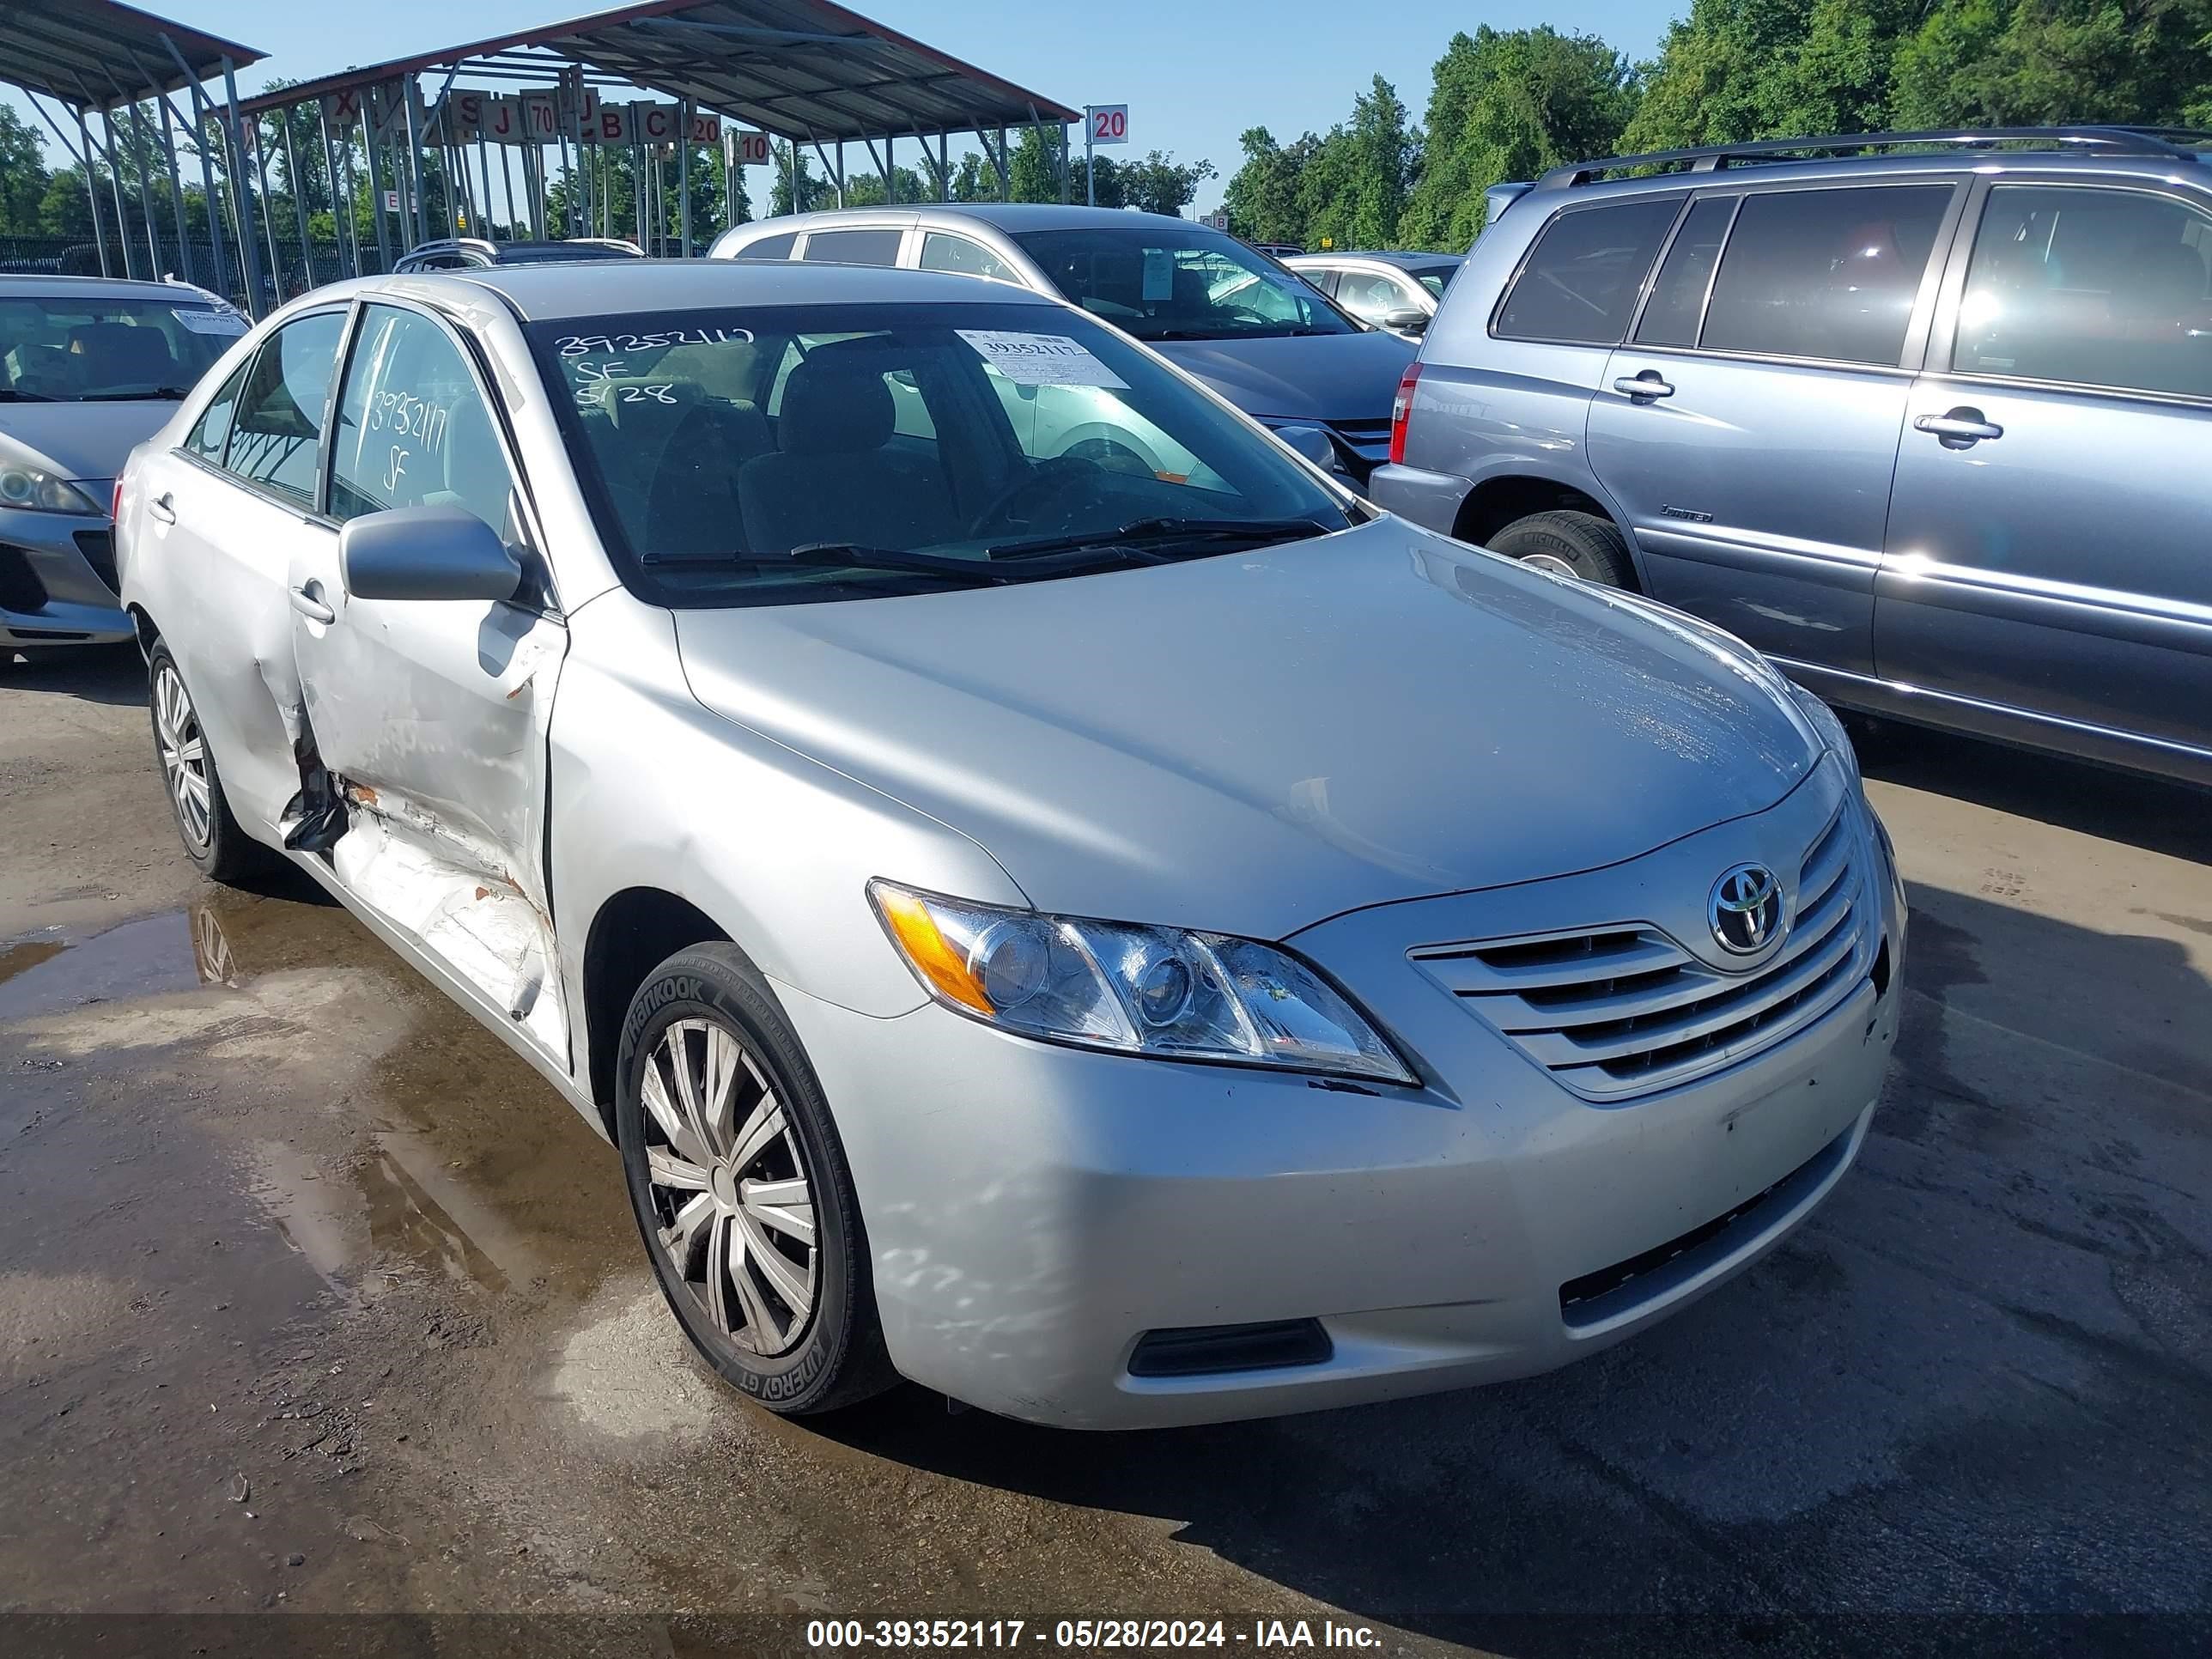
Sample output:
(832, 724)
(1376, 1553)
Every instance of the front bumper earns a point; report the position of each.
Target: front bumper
(1033, 1211)
(57, 580)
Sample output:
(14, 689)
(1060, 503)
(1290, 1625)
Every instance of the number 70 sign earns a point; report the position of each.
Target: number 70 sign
(1108, 123)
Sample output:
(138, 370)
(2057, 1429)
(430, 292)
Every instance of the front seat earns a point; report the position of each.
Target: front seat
(832, 478)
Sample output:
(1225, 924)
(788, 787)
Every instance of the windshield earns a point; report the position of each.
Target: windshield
(775, 455)
(1162, 283)
(69, 349)
(1434, 277)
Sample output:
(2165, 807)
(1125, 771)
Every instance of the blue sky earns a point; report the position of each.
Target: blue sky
(1194, 73)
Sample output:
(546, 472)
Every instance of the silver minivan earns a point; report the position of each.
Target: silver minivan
(1925, 422)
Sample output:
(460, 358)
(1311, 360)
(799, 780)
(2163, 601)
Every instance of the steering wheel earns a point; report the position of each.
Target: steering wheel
(1064, 481)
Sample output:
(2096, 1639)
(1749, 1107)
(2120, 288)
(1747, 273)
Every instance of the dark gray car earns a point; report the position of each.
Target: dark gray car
(1269, 342)
(1928, 429)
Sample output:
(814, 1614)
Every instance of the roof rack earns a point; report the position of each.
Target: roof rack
(2172, 142)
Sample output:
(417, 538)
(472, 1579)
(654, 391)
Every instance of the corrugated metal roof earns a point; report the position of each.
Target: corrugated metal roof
(97, 54)
(802, 69)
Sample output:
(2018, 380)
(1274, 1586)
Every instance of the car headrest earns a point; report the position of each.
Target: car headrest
(836, 404)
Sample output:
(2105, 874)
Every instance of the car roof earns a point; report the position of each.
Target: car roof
(42, 287)
(600, 288)
(1384, 256)
(1013, 217)
(1556, 192)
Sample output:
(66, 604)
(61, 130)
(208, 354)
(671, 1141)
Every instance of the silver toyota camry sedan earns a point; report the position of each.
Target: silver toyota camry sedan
(1120, 944)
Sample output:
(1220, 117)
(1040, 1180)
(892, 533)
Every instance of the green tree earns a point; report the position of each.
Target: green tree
(1508, 105)
(1262, 194)
(23, 176)
(864, 186)
(1158, 184)
(1386, 161)
(1033, 174)
(813, 191)
(2018, 63)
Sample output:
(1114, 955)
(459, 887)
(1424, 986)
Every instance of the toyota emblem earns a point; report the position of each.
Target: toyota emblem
(1746, 909)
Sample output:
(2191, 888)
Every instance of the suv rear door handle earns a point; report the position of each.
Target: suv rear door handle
(163, 510)
(1961, 428)
(1649, 384)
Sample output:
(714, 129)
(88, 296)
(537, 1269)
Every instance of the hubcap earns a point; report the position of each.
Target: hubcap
(1558, 566)
(184, 758)
(732, 1207)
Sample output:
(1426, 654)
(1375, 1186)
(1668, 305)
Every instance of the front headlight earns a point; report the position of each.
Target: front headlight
(1830, 730)
(30, 488)
(1133, 990)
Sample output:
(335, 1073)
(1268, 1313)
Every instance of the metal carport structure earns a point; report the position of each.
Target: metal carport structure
(807, 71)
(97, 57)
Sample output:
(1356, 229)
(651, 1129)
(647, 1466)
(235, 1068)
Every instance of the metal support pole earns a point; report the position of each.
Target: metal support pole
(91, 189)
(944, 167)
(683, 174)
(999, 166)
(249, 256)
(141, 161)
(483, 172)
(341, 198)
(507, 180)
(177, 195)
(1063, 162)
(1090, 160)
(368, 146)
(115, 189)
(299, 195)
(201, 108)
(890, 170)
(411, 185)
(268, 208)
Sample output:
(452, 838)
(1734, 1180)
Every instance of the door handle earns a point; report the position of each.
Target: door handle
(163, 510)
(1649, 384)
(308, 602)
(1962, 428)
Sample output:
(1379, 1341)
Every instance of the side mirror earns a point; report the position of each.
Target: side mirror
(1407, 319)
(1310, 441)
(426, 553)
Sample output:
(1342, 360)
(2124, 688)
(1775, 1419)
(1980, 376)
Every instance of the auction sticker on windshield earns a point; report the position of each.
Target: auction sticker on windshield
(1040, 359)
(203, 320)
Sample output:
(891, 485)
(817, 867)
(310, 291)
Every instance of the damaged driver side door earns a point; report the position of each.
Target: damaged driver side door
(428, 712)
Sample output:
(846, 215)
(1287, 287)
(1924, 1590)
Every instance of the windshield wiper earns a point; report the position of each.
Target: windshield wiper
(10, 395)
(161, 394)
(1080, 555)
(1170, 529)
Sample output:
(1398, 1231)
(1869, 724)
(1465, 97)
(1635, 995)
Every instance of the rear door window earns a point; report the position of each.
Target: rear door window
(770, 247)
(854, 247)
(276, 435)
(1678, 298)
(941, 252)
(1830, 274)
(1580, 284)
(212, 430)
(2091, 287)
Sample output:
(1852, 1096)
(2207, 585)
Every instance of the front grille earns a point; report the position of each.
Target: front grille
(20, 586)
(1370, 437)
(1623, 1010)
(98, 547)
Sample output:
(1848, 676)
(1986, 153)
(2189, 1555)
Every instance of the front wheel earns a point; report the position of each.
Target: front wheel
(739, 1181)
(1569, 545)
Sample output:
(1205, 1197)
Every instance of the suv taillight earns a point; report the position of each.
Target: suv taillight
(1401, 410)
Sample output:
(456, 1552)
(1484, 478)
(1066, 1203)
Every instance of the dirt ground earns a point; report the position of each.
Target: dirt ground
(312, 1298)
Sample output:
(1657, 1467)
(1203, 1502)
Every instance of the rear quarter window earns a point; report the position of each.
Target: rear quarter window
(1580, 284)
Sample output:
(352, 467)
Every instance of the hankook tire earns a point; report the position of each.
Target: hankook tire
(740, 1188)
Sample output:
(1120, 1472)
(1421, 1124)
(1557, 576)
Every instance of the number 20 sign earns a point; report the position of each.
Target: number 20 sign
(1109, 124)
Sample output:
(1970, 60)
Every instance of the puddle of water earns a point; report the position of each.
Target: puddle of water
(151, 956)
(400, 1203)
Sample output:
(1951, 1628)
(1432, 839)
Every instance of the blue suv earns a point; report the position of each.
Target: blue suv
(1927, 417)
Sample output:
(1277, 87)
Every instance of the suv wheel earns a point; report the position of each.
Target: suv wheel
(212, 839)
(738, 1183)
(1569, 545)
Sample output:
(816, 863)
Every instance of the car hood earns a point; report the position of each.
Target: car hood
(80, 442)
(1311, 377)
(1254, 742)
